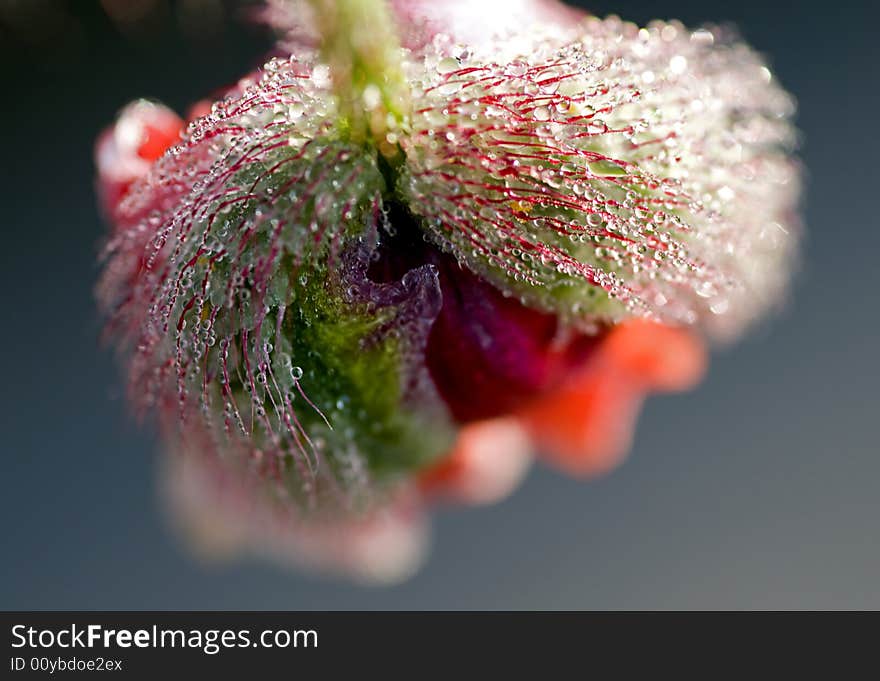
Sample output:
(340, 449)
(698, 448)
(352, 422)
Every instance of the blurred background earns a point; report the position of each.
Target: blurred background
(757, 490)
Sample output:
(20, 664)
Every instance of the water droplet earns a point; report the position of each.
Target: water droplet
(447, 65)
(606, 168)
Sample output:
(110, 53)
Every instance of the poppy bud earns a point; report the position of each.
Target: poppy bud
(400, 262)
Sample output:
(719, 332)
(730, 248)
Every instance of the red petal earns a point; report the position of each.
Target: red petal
(126, 150)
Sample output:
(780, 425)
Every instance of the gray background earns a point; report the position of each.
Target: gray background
(757, 490)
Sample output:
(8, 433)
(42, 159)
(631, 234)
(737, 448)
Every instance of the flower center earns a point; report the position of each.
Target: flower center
(487, 353)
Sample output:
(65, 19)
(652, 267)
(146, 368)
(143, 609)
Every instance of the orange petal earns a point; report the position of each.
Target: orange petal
(586, 426)
(661, 357)
(488, 461)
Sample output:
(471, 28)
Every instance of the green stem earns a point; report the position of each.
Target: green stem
(360, 46)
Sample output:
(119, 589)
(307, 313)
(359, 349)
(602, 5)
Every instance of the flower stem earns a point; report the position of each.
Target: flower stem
(360, 45)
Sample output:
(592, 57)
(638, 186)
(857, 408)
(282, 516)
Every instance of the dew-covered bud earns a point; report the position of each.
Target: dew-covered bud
(399, 263)
(623, 172)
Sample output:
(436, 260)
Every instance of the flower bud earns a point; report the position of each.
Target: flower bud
(399, 263)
